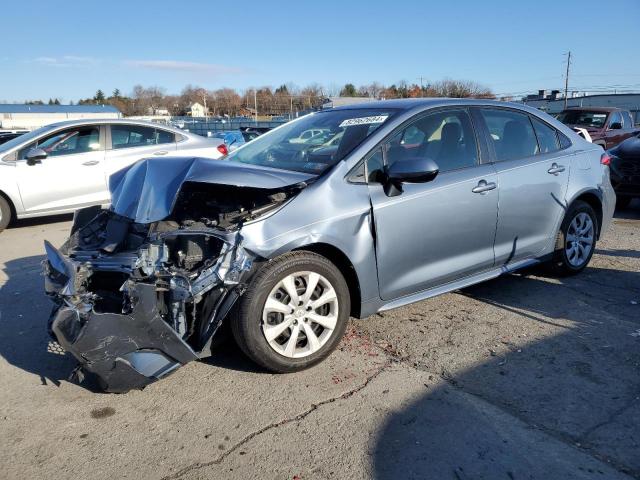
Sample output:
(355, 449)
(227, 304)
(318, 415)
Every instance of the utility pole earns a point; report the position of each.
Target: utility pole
(255, 103)
(421, 88)
(566, 80)
(204, 100)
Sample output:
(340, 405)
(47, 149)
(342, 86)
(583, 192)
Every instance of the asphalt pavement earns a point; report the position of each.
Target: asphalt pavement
(523, 377)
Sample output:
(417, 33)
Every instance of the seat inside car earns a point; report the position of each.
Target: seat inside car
(513, 143)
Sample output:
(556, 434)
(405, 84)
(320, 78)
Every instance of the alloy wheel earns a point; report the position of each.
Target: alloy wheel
(579, 239)
(300, 314)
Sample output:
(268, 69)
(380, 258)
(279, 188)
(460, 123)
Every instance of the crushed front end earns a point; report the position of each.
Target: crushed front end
(136, 300)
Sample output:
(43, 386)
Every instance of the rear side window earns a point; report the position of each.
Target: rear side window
(511, 133)
(129, 136)
(547, 136)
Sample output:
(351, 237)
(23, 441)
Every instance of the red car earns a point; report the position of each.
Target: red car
(607, 126)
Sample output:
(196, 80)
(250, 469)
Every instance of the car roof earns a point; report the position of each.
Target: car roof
(102, 121)
(406, 104)
(593, 109)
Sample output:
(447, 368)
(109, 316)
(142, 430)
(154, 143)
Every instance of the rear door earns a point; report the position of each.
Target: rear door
(436, 232)
(72, 174)
(533, 174)
(129, 143)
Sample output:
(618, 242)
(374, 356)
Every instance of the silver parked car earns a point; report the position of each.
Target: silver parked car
(286, 239)
(63, 166)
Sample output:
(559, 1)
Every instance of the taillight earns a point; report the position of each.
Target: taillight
(222, 148)
(605, 159)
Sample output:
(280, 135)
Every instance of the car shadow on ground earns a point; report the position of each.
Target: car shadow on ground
(31, 222)
(574, 394)
(631, 212)
(25, 343)
(25, 309)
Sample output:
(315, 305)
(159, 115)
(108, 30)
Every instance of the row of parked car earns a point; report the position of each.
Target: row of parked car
(38, 185)
(614, 130)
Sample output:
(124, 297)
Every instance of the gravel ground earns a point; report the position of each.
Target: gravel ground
(522, 377)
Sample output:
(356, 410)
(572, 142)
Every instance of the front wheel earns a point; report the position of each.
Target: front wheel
(294, 312)
(5, 213)
(576, 239)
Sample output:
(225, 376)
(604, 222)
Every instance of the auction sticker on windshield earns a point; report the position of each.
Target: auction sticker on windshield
(363, 121)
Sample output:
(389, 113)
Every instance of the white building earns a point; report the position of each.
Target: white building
(30, 117)
(198, 110)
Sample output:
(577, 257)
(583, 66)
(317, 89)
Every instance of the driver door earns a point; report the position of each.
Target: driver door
(436, 232)
(71, 176)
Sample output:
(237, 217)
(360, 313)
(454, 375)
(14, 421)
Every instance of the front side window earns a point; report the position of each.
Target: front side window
(67, 142)
(315, 142)
(130, 136)
(628, 122)
(511, 134)
(547, 136)
(445, 137)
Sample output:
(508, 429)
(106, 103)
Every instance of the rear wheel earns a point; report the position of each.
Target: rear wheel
(294, 312)
(5, 213)
(576, 239)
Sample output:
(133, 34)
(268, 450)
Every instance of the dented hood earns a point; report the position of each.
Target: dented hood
(146, 191)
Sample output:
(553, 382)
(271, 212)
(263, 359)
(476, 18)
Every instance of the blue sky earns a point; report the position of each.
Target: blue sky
(70, 49)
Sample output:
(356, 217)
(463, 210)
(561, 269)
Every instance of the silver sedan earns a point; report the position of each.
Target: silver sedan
(391, 203)
(63, 166)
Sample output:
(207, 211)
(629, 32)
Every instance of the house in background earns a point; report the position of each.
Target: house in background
(30, 117)
(197, 110)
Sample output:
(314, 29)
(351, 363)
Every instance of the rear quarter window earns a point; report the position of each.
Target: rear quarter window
(547, 136)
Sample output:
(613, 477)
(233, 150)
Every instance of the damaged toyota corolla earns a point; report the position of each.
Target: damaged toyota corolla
(343, 212)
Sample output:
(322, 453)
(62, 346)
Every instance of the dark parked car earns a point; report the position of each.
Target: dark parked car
(625, 170)
(607, 126)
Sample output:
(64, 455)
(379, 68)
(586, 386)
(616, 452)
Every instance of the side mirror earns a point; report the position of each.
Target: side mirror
(417, 170)
(35, 155)
(615, 126)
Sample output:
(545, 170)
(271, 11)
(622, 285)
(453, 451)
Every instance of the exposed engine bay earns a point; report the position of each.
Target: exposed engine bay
(135, 300)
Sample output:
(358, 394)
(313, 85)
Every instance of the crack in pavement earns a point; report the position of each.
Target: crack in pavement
(615, 414)
(297, 418)
(566, 438)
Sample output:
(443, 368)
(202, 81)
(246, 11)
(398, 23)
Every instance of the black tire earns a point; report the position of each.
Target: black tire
(5, 213)
(560, 263)
(246, 318)
(622, 202)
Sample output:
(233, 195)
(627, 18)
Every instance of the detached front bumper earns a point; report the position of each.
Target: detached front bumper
(155, 322)
(124, 351)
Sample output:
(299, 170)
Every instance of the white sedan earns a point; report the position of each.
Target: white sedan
(64, 166)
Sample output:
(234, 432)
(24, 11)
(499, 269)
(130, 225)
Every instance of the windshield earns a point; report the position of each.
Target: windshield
(26, 138)
(583, 119)
(315, 142)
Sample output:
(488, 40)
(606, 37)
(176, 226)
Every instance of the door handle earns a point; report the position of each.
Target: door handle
(91, 163)
(483, 187)
(160, 152)
(555, 169)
